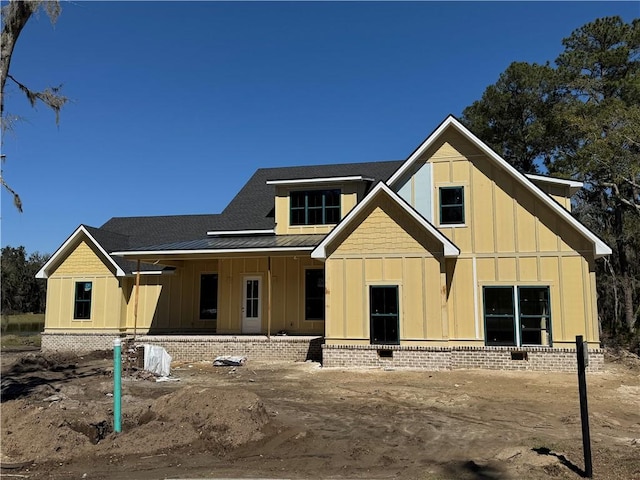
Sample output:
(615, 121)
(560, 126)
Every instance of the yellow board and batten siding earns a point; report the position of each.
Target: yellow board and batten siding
(171, 302)
(514, 240)
(386, 248)
(83, 264)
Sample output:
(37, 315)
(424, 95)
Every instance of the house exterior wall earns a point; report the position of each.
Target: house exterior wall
(509, 238)
(351, 193)
(381, 251)
(513, 239)
(83, 264)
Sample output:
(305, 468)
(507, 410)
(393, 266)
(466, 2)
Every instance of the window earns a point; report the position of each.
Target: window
(451, 205)
(535, 315)
(314, 294)
(384, 316)
(516, 317)
(315, 207)
(82, 304)
(209, 296)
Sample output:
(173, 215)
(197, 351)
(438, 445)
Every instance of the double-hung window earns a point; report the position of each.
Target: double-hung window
(451, 205)
(82, 303)
(315, 207)
(517, 316)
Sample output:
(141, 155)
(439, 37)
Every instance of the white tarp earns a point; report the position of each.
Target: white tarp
(157, 360)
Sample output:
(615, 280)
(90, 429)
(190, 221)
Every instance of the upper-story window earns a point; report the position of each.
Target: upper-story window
(315, 207)
(451, 205)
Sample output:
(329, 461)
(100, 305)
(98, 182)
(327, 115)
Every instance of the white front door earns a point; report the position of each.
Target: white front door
(251, 305)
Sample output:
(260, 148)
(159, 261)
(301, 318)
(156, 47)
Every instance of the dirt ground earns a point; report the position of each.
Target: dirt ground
(300, 421)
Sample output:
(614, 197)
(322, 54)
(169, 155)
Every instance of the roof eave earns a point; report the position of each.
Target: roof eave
(66, 246)
(450, 250)
(600, 248)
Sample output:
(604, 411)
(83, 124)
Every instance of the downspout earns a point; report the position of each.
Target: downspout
(135, 304)
(269, 298)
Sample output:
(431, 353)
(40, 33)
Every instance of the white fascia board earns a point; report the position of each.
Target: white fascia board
(302, 181)
(240, 232)
(450, 250)
(153, 272)
(154, 253)
(554, 180)
(63, 250)
(600, 248)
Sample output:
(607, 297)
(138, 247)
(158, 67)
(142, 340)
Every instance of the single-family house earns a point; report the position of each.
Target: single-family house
(448, 259)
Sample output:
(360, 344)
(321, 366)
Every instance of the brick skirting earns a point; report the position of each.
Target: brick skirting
(194, 348)
(455, 358)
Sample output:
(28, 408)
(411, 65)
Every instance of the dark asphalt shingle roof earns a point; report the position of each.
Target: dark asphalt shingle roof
(251, 209)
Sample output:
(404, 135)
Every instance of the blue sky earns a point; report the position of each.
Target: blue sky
(173, 106)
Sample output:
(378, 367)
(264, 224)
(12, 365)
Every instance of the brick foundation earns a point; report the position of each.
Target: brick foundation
(194, 348)
(455, 358)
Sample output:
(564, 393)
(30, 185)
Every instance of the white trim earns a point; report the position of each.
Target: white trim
(352, 178)
(476, 317)
(559, 181)
(600, 248)
(66, 246)
(153, 272)
(240, 232)
(224, 250)
(450, 250)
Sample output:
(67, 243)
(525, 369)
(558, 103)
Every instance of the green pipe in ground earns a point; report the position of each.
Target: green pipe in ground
(117, 385)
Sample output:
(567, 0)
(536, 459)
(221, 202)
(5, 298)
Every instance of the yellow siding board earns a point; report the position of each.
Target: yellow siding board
(335, 306)
(507, 269)
(486, 269)
(528, 269)
(373, 270)
(504, 219)
(526, 224)
(483, 213)
(392, 269)
(433, 294)
(355, 292)
(573, 292)
(413, 290)
(462, 296)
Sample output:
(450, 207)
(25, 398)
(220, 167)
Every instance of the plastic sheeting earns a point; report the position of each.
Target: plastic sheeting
(229, 361)
(157, 360)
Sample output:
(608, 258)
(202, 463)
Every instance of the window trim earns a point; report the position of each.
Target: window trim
(324, 307)
(370, 314)
(200, 317)
(518, 316)
(76, 300)
(323, 208)
(462, 205)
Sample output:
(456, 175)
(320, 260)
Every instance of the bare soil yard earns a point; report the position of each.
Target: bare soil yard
(301, 421)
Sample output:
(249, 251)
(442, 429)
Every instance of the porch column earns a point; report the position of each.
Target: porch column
(135, 304)
(269, 298)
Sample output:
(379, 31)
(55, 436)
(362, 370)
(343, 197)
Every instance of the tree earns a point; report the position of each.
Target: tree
(581, 120)
(15, 16)
(21, 291)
